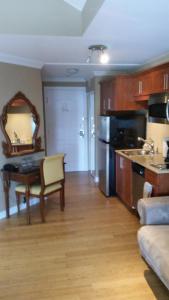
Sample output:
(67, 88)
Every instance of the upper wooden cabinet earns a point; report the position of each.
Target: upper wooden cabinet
(107, 96)
(155, 80)
(117, 94)
(160, 80)
(142, 86)
(130, 92)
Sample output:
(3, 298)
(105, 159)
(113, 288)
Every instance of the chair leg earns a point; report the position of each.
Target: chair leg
(18, 201)
(27, 196)
(63, 195)
(62, 205)
(42, 208)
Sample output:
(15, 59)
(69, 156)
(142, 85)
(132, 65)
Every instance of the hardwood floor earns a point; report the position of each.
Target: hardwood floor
(88, 252)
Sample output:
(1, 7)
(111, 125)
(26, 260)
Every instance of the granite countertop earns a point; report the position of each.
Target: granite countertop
(146, 160)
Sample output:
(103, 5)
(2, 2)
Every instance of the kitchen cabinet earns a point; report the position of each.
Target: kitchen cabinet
(117, 95)
(142, 86)
(155, 80)
(160, 80)
(131, 92)
(106, 96)
(124, 179)
(159, 182)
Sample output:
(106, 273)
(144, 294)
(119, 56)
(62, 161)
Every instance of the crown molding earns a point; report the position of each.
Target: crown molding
(63, 79)
(159, 60)
(20, 61)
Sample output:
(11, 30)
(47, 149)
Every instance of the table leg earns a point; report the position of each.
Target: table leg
(27, 196)
(6, 186)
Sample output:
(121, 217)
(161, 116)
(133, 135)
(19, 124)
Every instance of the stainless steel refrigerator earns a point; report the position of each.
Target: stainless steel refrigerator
(116, 132)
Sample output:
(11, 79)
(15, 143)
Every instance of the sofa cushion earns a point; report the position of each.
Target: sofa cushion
(154, 247)
(154, 210)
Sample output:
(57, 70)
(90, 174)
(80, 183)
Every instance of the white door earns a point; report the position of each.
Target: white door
(66, 125)
(91, 133)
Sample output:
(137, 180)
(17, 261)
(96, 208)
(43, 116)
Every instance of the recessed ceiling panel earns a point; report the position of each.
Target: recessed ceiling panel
(78, 4)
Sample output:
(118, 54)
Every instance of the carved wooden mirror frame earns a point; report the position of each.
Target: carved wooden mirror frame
(7, 146)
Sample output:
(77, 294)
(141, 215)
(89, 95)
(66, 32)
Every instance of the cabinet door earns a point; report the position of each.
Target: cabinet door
(159, 182)
(127, 182)
(143, 84)
(110, 100)
(146, 84)
(119, 176)
(124, 97)
(160, 80)
(107, 96)
(124, 179)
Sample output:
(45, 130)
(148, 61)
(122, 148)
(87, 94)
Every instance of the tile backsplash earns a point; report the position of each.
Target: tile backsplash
(157, 132)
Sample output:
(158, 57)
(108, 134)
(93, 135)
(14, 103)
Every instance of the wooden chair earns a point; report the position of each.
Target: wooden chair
(52, 181)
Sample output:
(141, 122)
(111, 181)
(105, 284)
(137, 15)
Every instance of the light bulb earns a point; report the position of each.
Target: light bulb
(104, 58)
(88, 60)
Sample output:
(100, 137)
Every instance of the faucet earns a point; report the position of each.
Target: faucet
(148, 144)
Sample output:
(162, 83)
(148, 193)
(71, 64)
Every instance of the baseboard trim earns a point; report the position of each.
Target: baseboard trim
(13, 210)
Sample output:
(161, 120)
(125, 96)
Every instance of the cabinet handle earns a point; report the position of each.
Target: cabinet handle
(164, 82)
(167, 110)
(141, 87)
(121, 162)
(109, 103)
(104, 104)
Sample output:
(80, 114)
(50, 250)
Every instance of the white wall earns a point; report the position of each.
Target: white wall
(27, 80)
(94, 85)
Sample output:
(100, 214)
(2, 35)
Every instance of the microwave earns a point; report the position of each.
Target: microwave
(158, 108)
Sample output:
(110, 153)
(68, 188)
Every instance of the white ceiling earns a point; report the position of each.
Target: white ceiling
(136, 32)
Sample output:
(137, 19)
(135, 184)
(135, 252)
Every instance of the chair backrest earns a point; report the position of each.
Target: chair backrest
(53, 169)
(147, 190)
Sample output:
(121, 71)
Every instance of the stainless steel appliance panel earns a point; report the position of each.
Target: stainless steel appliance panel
(104, 161)
(158, 108)
(138, 183)
(104, 128)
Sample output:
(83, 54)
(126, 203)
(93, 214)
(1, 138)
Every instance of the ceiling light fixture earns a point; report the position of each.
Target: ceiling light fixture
(71, 71)
(97, 52)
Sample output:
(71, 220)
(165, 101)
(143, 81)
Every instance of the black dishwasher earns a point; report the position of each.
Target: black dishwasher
(138, 174)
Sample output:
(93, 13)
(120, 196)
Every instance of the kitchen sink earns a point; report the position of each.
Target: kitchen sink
(135, 152)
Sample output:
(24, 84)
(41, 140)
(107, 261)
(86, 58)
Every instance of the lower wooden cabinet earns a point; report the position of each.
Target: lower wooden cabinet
(124, 179)
(124, 182)
(160, 182)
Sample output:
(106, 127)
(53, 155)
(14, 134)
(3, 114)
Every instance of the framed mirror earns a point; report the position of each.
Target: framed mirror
(20, 124)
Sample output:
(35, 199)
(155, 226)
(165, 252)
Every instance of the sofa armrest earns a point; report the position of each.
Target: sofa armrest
(154, 210)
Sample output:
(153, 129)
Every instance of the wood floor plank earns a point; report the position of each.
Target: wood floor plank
(88, 252)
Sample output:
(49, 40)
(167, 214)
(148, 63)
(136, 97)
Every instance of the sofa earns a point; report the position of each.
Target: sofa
(153, 237)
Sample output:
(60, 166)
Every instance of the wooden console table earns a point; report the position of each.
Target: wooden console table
(24, 178)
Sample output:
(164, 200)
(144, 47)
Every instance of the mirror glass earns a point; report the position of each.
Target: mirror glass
(20, 125)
